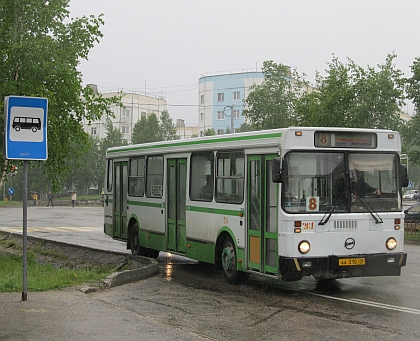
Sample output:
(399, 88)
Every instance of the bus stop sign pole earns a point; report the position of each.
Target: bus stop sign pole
(25, 139)
(25, 231)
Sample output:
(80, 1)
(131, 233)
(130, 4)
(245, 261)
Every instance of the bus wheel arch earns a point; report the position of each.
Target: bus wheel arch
(226, 259)
(133, 242)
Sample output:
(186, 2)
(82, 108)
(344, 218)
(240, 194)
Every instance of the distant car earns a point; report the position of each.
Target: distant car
(409, 195)
(412, 215)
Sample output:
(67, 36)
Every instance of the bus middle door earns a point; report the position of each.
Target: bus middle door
(262, 215)
(176, 205)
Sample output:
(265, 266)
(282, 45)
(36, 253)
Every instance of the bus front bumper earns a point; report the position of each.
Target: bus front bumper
(333, 267)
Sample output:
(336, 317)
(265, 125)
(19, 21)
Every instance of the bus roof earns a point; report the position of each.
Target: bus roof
(253, 139)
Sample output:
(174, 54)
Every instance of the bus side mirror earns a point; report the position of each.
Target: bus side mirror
(276, 170)
(403, 175)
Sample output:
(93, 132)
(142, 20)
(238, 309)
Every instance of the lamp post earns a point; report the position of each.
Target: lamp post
(231, 117)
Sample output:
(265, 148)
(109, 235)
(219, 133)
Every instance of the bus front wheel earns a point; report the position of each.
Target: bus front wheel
(228, 260)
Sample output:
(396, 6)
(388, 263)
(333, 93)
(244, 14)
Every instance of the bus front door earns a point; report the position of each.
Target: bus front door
(120, 200)
(262, 215)
(176, 204)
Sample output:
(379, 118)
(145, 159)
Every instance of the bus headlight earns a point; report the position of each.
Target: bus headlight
(304, 246)
(391, 243)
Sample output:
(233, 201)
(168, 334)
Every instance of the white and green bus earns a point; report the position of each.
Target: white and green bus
(285, 202)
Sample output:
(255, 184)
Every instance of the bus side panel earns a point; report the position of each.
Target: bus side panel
(204, 224)
(202, 251)
(151, 218)
(152, 240)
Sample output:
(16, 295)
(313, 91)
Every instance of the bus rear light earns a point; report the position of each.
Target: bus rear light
(304, 246)
(298, 223)
(397, 221)
(391, 243)
(298, 133)
(390, 136)
(391, 260)
(297, 230)
(397, 227)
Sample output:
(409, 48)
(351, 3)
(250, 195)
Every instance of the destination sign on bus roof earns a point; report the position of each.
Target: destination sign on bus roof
(325, 139)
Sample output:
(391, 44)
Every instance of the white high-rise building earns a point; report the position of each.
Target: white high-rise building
(135, 105)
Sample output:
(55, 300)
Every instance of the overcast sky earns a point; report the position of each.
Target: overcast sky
(164, 46)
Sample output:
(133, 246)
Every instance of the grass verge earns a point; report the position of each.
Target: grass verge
(44, 275)
(412, 236)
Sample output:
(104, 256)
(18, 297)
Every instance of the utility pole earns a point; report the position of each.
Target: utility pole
(231, 119)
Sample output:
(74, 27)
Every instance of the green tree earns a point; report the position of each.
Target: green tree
(413, 85)
(246, 127)
(167, 128)
(209, 132)
(41, 49)
(271, 104)
(88, 170)
(146, 130)
(411, 136)
(351, 96)
(114, 138)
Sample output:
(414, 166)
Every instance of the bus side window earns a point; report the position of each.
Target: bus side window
(230, 177)
(202, 176)
(136, 177)
(154, 176)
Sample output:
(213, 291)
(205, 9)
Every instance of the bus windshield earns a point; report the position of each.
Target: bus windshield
(340, 182)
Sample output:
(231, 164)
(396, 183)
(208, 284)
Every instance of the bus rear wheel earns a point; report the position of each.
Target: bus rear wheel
(135, 240)
(228, 260)
(136, 248)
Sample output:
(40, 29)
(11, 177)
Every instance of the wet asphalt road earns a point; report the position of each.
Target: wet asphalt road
(194, 300)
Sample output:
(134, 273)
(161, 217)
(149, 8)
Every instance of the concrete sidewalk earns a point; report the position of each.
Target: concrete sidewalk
(72, 314)
(69, 315)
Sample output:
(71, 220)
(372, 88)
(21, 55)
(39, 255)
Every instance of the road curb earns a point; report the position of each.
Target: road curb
(147, 267)
(140, 268)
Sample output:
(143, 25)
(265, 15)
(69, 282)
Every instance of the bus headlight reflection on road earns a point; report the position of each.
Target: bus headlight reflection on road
(304, 246)
(391, 243)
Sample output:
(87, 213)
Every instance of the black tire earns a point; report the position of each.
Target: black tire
(34, 129)
(17, 128)
(134, 240)
(136, 248)
(228, 261)
(153, 253)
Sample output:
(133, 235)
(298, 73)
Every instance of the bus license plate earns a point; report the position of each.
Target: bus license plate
(351, 261)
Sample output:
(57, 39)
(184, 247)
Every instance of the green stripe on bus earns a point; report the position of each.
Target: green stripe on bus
(198, 142)
(142, 203)
(234, 213)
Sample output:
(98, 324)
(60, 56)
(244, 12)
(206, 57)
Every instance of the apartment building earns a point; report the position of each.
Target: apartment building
(135, 104)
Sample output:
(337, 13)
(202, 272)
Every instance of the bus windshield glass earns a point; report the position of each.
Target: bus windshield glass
(340, 182)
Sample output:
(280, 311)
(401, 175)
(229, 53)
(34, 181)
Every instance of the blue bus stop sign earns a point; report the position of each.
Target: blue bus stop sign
(11, 191)
(25, 128)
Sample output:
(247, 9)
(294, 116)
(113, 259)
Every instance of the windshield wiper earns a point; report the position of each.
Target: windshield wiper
(369, 208)
(329, 212)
